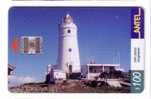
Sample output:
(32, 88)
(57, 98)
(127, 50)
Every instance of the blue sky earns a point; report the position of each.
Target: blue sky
(102, 32)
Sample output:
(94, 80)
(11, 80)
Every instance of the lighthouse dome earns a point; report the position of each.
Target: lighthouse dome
(68, 22)
(67, 19)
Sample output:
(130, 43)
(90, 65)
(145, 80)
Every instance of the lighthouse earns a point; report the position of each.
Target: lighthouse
(68, 50)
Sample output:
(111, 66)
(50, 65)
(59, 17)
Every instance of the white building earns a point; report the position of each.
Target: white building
(94, 70)
(68, 52)
(57, 74)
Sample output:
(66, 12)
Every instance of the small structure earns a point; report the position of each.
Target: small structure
(59, 75)
(94, 70)
(10, 69)
(54, 74)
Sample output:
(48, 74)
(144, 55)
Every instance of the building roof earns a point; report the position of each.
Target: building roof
(113, 65)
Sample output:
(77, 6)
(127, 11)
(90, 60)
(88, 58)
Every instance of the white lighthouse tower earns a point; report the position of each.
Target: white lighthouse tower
(68, 52)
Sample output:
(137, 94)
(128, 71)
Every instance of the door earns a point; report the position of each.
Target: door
(70, 68)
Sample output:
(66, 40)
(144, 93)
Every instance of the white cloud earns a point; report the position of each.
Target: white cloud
(18, 80)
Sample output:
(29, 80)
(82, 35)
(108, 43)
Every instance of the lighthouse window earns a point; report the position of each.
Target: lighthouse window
(69, 31)
(70, 49)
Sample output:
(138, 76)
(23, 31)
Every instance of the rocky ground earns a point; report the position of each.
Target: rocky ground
(69, 86)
